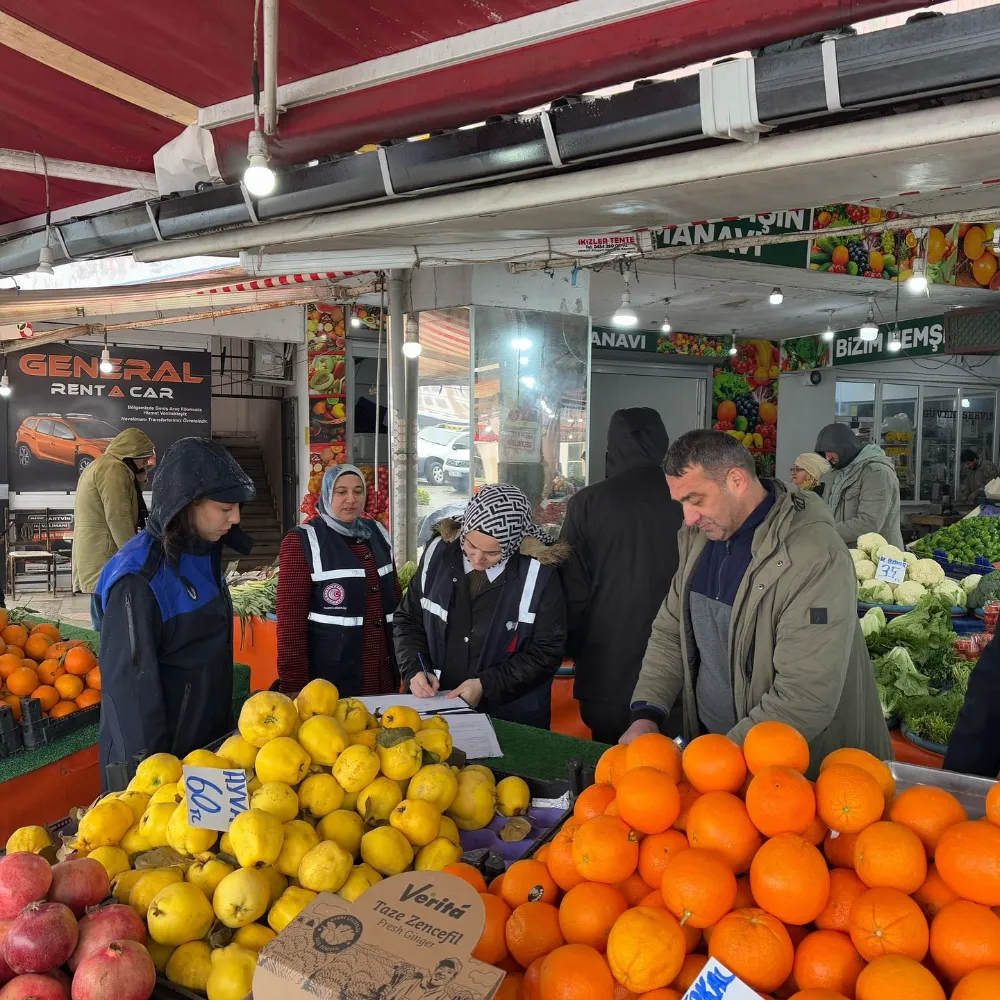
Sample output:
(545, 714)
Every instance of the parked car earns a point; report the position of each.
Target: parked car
(65, 438)
(434, 445)
(456, 466)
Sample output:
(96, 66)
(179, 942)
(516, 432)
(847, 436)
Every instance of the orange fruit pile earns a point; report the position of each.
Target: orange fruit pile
(63, 675)
(838, 890)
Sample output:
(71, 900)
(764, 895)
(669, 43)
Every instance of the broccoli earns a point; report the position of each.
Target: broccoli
(988, 590)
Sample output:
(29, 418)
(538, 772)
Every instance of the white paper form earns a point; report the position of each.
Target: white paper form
(471, 731)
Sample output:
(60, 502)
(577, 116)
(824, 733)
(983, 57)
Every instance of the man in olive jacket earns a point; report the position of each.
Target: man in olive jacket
(761, 619)
(107, 507)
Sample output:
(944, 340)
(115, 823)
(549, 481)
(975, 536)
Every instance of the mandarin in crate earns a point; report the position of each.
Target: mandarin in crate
(468, 873)
(8, 664)
(775, 744)
(848, 798)
(492, 945)
(968, 859)
(698, 887)
(15, 635)
(68, 686)
(780, 800)
(655, 851)
(531, 988)
(845, 889)
(45, 628)
(827, 960)
(88, 698)
(62, 709)
(789, 879)
(934, 895)
(79, 661)
(887, 922)
(654, 750)
(633, 888)
(528, 881)
(993, 804)
(49, 670)
(575, 972)
(714, 763)
(964, 937)
(897, 976)
(559, 860)
(720, 822)
(605, 850)
(37, 646)
(588, 912)
(839, 849)
(592, 801)
(93, 678)
(14, 651)
(611, 765)
(755, 946)
(532, 932)
(928, 812)
(646, 949)
(891, 856)
(22, 681)
(47, 695)
(647, 799)
(15, 705)
(867, 762)
(690, 970)
(496, 886)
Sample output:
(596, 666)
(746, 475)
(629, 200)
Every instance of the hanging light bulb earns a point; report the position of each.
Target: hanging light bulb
(828, 333)
(355, 321)
(521, 344)
(869, 329)
(895, 341)
(106, 364)
(258, 177)
(732, 345)
(917, 282)
(776, 297)
(666, 328)
(411, 345)
(4, 386)
(625, 315)
(45, 258)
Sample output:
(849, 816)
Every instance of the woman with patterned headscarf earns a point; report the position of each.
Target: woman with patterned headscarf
(484, 617)
(337, 590)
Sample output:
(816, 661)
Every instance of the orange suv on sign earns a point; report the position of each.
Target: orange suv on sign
(68, 439)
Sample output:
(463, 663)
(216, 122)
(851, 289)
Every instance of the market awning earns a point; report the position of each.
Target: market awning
(98, 96)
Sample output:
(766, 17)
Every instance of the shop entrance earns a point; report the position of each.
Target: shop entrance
(679, 394)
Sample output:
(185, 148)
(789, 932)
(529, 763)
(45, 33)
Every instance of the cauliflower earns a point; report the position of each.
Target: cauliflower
(953, 591)
(926, 571)
(857, 554)
(909, 592)
(864, 569)
(870, 541)
(910, 558)
(875, 592)
(970, 582)
(889, 551)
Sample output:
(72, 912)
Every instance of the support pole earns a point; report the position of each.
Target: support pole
(270, 108)
(397, 411)
(410, 443)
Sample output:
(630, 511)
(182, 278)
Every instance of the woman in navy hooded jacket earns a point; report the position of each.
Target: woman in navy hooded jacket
(166, 617)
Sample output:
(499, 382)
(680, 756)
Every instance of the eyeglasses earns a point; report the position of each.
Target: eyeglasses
(795, 469)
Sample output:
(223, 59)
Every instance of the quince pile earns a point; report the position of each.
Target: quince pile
(338, 800)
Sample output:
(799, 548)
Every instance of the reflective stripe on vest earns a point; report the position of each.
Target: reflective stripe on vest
(315, 616)
(427, 561)
(388, 618)
(523, 614)
(318, 573)
(435, 609)
(384, 570)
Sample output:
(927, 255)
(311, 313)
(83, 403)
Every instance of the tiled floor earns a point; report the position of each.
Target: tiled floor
(74, 609)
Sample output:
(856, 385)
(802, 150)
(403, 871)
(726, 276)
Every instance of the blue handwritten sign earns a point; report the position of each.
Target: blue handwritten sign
(716, 982)
(215, 796)
(891, 570)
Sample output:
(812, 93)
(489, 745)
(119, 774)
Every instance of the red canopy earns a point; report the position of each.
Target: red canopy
(92, 103)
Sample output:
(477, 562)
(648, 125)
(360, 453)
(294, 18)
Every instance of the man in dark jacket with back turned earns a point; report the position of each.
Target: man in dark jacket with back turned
(623, 536)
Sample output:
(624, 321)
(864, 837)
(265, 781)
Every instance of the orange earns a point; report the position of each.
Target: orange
(80, 661)
(528, 881)
(790, 880)
(15, 635)
(61, 648)
(827, 960)
(968, 859)
(839, 849)
(655, 851)
(815, 833)
(817, 995)
(62, 708)
(575, 972)
(559, 860)
(698, 887)
(8, 664)
(655, 898)
(984, 269)
(755, 946)
(44, 628)
(780, 800)
(714, 763)
(646, 949)
(689, 794)
(611, 765)
(15, 705)
(605, 850)
(29, 663)
(867, 762)
(49, 670)
(37, 646)
(845, 889)
(492, 946)
(495, 886)
(68, 686)
(532, 932)
(4, 617)
(744, 895)
(510, 988)
(720, 822)
(531, 984)
(934, 895)
(928, 812)
(47, 695)
(890, 856)
(886, 922)
(983, 984)
(89, 698)
(15, 651)
(993, 804)
(592, 801)
(690, 970)
(964, 937)
(22, 681)
(648, 800)
(897, 976)
(848, 798)
(663, 993)
(775, 744)
(654, 750)
(542, 853)
(588, 912)
(633, 888)
(94, 679)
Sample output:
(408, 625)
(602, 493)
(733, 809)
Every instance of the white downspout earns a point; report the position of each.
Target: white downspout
(270, 108)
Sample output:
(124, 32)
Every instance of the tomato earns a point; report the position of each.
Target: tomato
(726, 411)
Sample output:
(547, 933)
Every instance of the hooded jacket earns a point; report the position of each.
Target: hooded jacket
(167, 627)
(863, 490)
(106, 508)
(796, 650)
(623, 537)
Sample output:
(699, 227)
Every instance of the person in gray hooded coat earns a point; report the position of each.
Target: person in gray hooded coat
(863, 489)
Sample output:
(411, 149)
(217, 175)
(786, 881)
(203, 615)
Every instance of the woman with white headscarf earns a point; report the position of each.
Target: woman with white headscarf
(808, 471)
(337, 590)
(484, 617)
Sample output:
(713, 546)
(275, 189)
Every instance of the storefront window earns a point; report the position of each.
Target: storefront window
(938, 443)
(855, 406)
(977, 425)
(898, 433)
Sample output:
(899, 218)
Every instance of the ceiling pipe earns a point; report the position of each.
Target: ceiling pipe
(22, 162)
(270, 109)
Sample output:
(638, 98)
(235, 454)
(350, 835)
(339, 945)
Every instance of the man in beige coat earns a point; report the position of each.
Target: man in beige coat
(107, 506)
(761, 619)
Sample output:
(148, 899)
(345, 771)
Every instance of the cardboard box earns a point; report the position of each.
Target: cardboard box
(409, 937)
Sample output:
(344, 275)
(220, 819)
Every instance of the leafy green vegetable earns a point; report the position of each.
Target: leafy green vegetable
(802, 352)
(255, 599)
(728, 385)
(939, 667)
(963, 541)
(406, 573)
(933, 717)
(926, 628)
(896, 669)
(873, 621)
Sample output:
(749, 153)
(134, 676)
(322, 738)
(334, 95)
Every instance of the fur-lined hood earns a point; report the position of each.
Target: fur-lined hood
(548, 555)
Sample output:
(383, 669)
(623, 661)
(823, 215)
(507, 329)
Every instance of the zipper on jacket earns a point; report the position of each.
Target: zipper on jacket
(180, 716)
(130, 621)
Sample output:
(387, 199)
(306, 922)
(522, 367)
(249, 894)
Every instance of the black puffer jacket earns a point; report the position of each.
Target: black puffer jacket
(623, 537)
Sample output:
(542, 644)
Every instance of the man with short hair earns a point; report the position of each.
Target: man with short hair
(761, 619)
(976, 473)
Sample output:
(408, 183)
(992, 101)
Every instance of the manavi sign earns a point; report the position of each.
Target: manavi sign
(794, 254)
(917, 337)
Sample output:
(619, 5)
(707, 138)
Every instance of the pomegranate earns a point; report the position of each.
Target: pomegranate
(6, 972)
(41, 938)
(24, 878)
(115, 922)
(123, 970)
(61, 978)
(79, 884)
(33, 988)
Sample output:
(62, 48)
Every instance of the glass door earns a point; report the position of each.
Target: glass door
(898, 432)
(939, 441)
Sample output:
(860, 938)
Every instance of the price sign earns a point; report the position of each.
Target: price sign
(215, 796)
(891, 570)
(716, 982)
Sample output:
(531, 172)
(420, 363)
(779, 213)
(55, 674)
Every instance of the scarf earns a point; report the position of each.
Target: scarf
(351, 529)
(502, 512)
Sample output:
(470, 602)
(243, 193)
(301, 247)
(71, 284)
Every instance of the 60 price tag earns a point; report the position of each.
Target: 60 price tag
(215, 796)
